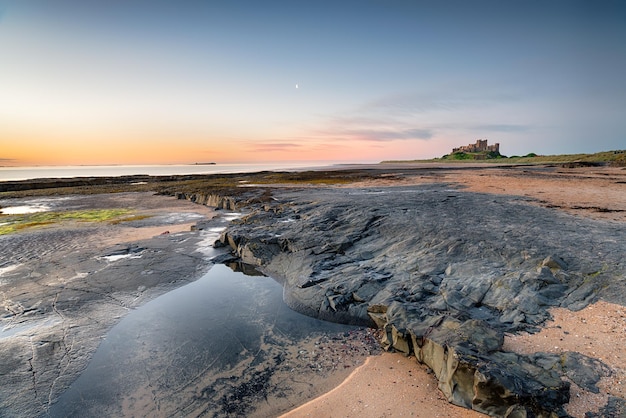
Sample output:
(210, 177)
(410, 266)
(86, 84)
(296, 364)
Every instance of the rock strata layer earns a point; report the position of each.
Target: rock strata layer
(444, 273)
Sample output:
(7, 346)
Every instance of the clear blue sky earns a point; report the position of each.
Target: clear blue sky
(85, 81)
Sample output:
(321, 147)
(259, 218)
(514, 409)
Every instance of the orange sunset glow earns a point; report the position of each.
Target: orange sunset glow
(143, 83)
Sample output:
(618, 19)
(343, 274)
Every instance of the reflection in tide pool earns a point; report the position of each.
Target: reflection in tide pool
(192, 351)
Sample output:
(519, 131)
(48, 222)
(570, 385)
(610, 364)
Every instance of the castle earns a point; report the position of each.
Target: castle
(479, 146)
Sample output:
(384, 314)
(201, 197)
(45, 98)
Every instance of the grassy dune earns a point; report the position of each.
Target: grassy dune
(613, 158)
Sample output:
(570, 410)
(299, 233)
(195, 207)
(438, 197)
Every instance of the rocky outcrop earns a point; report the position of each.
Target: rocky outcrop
(211, 199)
(444, 273)
(229, 199)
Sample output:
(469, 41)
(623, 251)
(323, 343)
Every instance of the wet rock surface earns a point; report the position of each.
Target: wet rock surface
(444, 273)
(63, 287)
(224, 345)
(441, 272)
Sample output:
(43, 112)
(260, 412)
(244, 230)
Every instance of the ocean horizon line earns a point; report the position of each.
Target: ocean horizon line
(299, 162)
(24, 173)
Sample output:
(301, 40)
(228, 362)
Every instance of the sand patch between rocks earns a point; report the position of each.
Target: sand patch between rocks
(129, 234)
(393, 385)
(384, 386)
(598, 331)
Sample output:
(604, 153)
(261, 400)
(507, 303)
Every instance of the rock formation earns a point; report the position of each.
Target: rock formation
(444, 273)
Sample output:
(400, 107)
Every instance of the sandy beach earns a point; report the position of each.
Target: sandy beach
(353, 382)
(389, 385)
(392, 385)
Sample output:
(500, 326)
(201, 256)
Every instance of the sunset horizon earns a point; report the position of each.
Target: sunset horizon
(156, 83)
(279, 208)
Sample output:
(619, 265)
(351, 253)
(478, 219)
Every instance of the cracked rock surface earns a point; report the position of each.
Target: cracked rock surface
(63, 288)
(445, 273)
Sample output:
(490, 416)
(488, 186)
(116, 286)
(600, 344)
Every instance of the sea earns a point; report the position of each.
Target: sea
(39, 172)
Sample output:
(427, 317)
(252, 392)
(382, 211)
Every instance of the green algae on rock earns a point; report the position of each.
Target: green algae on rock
(14, 223)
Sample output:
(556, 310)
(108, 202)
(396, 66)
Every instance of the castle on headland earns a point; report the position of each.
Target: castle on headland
(479, 146)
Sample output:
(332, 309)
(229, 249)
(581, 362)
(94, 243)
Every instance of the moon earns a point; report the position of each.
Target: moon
(296, 85)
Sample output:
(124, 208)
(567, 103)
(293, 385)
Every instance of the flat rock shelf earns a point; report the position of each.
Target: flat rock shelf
(445, 273)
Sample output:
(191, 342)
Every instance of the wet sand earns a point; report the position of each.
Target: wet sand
(389, 385)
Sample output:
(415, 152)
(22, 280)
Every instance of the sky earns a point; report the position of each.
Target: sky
(162, 82)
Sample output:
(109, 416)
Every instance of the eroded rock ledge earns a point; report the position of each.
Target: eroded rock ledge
(444, 273)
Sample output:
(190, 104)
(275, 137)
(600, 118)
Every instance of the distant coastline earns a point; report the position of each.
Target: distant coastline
(51, 172)
(616, 158)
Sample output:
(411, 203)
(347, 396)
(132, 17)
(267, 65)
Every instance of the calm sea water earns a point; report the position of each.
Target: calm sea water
(29, 173)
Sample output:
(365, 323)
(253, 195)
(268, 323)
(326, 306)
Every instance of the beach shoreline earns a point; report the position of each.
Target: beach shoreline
(595, 193)
(581, 192)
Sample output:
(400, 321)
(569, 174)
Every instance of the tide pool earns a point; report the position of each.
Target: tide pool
(211, 346)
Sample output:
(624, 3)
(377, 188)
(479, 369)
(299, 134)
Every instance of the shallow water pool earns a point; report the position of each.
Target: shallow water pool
(191, 351)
